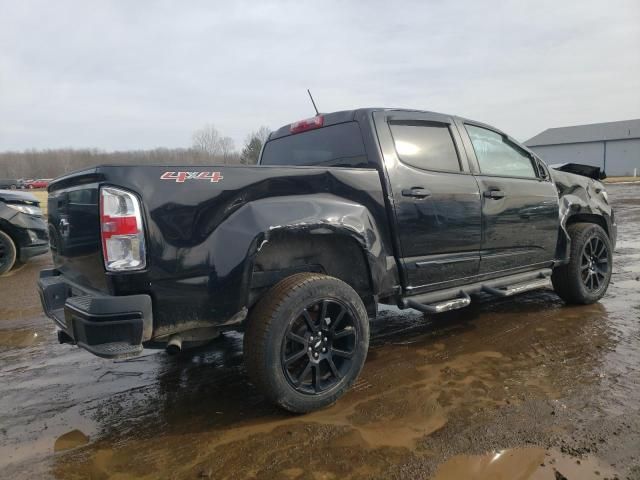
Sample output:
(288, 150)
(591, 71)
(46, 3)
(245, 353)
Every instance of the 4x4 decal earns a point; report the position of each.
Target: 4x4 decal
(181, 177)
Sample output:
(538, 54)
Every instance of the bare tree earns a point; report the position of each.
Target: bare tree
(227, 149)
(207, 140)
(209, 146)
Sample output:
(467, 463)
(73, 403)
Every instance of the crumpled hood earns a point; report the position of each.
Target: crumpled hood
(580, 169)
(15, 196)
(568, 182)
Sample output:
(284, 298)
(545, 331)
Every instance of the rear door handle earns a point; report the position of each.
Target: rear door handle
(416, 192)
(494, 194)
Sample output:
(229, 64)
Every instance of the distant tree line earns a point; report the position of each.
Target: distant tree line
(208, 147)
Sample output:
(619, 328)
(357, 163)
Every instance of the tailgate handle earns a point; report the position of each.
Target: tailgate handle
(494, 194)
(416, 192)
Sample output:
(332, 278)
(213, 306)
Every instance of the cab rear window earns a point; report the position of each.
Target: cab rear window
(338, 145)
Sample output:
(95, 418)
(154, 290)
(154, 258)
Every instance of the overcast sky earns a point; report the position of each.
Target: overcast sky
(139, 74)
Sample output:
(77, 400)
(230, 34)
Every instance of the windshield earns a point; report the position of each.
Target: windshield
(334, 146)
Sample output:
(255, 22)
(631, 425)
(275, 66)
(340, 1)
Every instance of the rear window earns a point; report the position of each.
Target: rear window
(426, 145)
(334, 146)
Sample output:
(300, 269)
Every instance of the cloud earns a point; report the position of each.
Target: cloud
(120, 75)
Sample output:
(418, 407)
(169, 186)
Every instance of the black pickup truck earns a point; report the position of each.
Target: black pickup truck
(345, 211)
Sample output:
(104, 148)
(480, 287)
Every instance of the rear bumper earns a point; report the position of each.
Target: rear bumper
(107, 326)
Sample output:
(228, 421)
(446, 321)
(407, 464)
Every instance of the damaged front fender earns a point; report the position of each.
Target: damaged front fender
(582, 199)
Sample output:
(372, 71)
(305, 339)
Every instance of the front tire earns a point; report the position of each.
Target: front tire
(8, 253)
(306, 341)
(585, 278)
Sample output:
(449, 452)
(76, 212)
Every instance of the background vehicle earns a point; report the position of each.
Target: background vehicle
(39, 183)
(23, 231)
(345, 211)
(9, 183)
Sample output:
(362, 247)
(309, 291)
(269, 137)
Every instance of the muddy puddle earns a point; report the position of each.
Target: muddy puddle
(18, 338)
(531, 463)
(513, 388)
(70, 440)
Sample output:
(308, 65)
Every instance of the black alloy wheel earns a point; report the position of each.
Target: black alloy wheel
(318, 347)
(306, 341)
(594, 266)
(585, 278)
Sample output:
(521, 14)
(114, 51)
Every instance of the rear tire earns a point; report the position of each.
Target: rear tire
(8, 253)
(585, 278)
(306, 341)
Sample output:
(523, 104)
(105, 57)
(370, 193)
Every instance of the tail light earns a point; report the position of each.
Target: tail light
(307, 124)
(121, 226)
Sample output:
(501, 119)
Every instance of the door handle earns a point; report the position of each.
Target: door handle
(416, 192)
(64, 226)
(494, 194)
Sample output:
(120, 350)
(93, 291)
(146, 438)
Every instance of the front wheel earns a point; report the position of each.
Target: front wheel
(8, 253)
(306, 341)
(586, 277)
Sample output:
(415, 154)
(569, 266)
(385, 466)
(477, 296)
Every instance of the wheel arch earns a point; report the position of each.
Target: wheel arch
(578, 205)
(285, 231)
(336, 252)
(588, 218)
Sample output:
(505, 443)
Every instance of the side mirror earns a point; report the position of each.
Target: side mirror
(542, 170)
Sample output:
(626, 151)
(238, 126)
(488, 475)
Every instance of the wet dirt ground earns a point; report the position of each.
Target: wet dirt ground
(519, 388)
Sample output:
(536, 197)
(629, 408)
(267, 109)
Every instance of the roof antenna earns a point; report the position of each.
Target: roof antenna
(314, 103)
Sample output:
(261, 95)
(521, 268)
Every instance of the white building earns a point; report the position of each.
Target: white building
(612, 146)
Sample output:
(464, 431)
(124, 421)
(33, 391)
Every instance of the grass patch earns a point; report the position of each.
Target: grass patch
(621, 179)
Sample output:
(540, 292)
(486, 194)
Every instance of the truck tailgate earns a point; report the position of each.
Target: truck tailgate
(74, 229)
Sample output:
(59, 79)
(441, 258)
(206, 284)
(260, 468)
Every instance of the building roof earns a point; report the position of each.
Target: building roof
(595, 132)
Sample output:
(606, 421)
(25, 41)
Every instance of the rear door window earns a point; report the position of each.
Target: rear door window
(426, 145)
(338, 145)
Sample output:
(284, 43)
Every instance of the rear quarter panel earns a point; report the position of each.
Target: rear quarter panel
(202, 234)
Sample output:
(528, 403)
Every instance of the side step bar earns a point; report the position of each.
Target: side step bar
(452, 299)
(461, 302)
(523, 287)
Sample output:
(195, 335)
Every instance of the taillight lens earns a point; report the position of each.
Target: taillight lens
(122, 235)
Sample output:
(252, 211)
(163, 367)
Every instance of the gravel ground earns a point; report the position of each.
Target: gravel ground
(518, 388)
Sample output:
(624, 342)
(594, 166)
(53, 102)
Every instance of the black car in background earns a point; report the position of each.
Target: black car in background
(23, 230)
(11, 183)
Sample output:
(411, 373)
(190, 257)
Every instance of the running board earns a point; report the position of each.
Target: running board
(520, 288)
(454, 298)
(460, 302)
